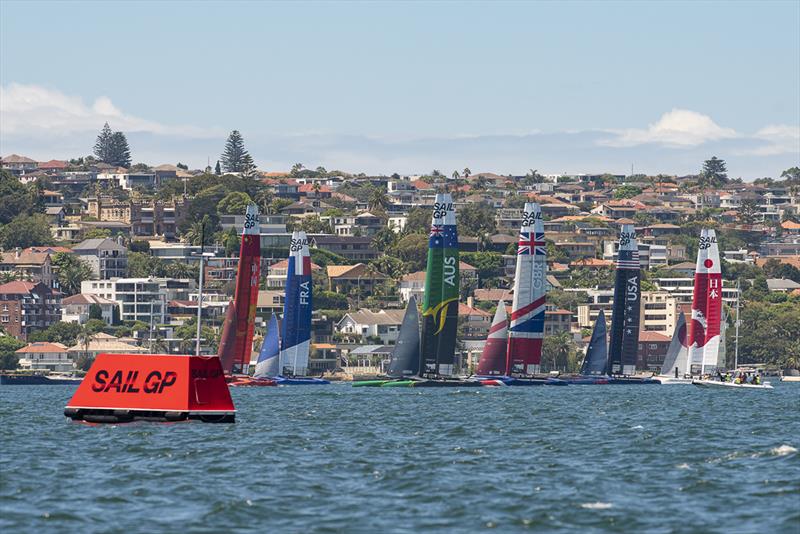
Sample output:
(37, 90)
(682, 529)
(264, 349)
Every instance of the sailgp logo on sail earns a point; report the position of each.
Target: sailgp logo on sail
(528, 219)
(626, 237)
(297, 244)
(705, 242)
(250, 220)
(440, 209)
(450, 270)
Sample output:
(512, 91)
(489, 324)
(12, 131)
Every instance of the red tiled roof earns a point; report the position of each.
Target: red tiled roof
(647, 336)
(54, 164)
(463, 309)
(309, 188)
(16, 287)
(284, 264)
(42, 346)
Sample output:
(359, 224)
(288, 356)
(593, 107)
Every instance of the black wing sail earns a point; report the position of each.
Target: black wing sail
(597, 353)
(406, 353)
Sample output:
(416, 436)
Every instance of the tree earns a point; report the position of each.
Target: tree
(25, 231)
(390, 266)
(413, 249)
(70, 271)
(296, 168)
(102, 147)
(627, 191)
(791, 175)
(217, 169)
(235, 158)
(456, 175)
(95, 312)
(17, 199)
(330, 300)
(60, 332)
(747, 211)
(714, 173)
(315, 225)
(384, 239)
(200, 232)
(112, 147)
(142, 265)
(477, 219)
(8, 347)
(234, 203)
(466, 173)
(97, 233)
(488, 264)
(558, 352)
(378, 200)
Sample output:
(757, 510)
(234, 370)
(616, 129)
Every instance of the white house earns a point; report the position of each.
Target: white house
(75, 309)
(43, 356)
(383, 324)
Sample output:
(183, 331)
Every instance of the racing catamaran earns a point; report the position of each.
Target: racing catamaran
(705, 328)
(676, 363)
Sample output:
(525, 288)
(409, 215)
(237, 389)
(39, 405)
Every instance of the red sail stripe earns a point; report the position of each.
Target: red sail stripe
(527, 309)
(498, 326)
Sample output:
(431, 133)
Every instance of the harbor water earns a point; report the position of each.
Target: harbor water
(341, 459)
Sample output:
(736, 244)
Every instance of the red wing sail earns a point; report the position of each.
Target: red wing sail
(246, 298)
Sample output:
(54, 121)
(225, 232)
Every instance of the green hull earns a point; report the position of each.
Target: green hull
(369, 383)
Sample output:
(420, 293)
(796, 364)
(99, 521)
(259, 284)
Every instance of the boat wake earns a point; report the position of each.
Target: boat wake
(597, 505)
(783, 450)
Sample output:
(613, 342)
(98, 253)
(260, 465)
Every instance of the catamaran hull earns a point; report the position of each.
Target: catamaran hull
(729, 385)
(248, 381)
(625, 380)
(587, 380)
(369, 383)
(494, 380)
(671, 380)
(300, 381)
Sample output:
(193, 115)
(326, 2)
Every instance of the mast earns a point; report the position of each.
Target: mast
(493, 357)
(736, 338)
(625, 314)
(528, 309)
(297, 306)
(451, 285)
(432, 297)
(246, 296)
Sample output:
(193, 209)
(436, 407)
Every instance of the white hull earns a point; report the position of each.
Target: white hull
(718, 384)
(790, 379)
(672, 380)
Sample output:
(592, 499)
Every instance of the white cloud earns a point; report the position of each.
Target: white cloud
(33, 110)
(780, 139)
(676, 128)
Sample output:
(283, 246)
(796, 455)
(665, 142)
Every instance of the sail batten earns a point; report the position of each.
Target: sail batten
(526, 325)
(624, 342)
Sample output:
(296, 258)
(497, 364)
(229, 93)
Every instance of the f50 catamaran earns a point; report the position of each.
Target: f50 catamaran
(513, 351)
(236, 342)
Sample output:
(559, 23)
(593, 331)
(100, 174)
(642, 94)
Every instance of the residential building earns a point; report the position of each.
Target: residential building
(103, 343)
(75, 309)
(268, 224)
(277, 272)
(151, 218)
(659, 310)
(108, 209)
(140, 299)
(412, 284)
(350, 247)
(28, 264)
(28, 306)
(365, 324)
(43, 356)
(181, 252)
(782, 285)
(473, 323)
(345, 278)
(108, 258)
(683, 288)
(18, 165)
(652, 350)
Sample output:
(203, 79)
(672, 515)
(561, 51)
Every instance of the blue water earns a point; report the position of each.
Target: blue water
(336, 458)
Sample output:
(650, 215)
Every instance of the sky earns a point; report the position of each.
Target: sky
(383, 87)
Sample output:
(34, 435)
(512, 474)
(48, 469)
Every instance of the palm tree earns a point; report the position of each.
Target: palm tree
(455, 175)
(199, 231)
(466, 173)
(556, 350)
(378, 200)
